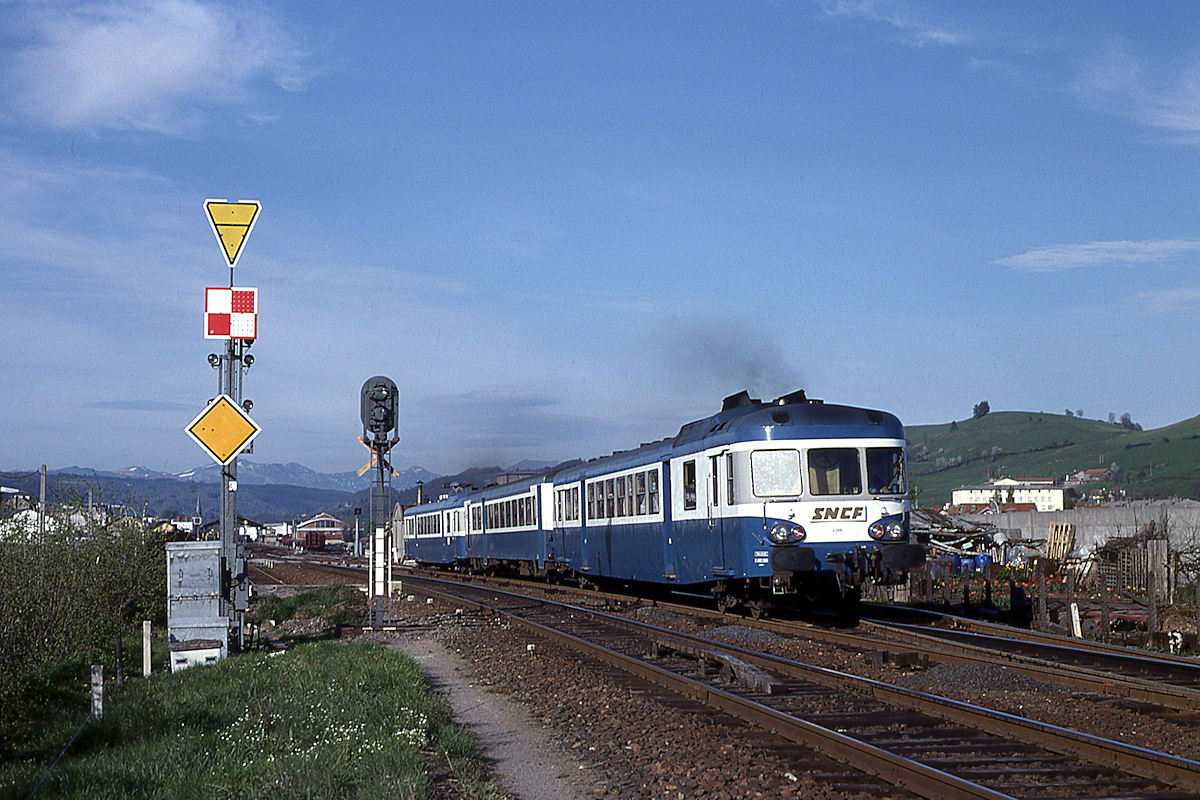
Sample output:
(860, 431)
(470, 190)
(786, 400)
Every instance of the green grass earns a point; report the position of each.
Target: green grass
(1157, 463)
(325, 720)
(335, 603)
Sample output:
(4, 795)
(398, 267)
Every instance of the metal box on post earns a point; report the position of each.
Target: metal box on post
(197, 631)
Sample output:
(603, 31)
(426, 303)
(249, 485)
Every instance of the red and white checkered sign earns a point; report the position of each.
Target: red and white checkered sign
(230, 313)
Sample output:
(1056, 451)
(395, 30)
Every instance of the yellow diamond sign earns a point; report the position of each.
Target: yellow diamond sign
(232, 223)
(223, 430)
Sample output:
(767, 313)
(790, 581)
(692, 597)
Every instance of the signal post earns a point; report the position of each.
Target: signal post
(380, 410)
(224, 428)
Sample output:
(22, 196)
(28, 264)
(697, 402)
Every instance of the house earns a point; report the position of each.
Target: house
(331, 526)
(1089, 476)
(1041, 492)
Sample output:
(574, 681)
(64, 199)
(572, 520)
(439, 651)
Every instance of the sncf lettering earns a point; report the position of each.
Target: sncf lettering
(846, 513)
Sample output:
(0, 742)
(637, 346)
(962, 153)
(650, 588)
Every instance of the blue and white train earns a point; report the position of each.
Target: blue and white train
(757, 504)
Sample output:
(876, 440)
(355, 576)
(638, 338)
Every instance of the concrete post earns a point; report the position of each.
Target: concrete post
(97, 690)
(146, 648)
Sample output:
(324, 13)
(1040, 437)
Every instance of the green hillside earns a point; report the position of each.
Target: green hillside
(1164, 462)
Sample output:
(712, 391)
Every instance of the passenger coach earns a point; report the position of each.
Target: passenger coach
(758, 503)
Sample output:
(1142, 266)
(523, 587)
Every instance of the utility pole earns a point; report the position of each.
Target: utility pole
(42, 504)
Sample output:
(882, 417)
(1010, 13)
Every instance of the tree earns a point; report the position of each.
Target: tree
(1127, 422)
(70, 595)
(981, 409)
(1070, 413)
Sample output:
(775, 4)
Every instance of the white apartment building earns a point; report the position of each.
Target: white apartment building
(1041, 492)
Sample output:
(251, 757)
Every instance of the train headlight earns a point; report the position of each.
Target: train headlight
(888, 529)
(783, 533)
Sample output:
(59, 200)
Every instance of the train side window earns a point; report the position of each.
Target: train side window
(834, 470)
(640, 489)
(653, 491)
(775, 473)
(591, 500)
(689, 485)
(620, 497)
(610, 506)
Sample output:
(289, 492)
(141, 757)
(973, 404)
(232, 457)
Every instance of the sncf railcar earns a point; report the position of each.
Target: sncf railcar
(762, 501)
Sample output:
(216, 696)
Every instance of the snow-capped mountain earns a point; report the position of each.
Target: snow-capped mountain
(293, 474)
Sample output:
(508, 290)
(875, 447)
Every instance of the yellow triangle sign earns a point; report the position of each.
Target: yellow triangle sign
(232, 223)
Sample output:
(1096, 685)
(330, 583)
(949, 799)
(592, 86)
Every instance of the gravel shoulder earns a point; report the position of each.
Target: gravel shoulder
(528, 763)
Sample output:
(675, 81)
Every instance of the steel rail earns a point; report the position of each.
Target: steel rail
(1142, 690)
(1139, 659)
(987, 628)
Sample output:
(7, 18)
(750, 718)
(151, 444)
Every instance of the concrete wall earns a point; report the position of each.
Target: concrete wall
(1095, 526)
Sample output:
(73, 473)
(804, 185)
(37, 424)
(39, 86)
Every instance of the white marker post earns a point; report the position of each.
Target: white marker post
(146, 648)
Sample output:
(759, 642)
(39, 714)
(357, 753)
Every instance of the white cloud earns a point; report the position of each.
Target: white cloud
(920, 32)
(1169, 300)
(147, 65)
(1059, 257)
(1116, 83)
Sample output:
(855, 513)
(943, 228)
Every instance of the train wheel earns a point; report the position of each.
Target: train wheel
(726, 603)
(757, 610)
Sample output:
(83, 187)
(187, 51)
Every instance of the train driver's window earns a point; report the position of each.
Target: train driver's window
(775, 473)
(834, 470)
(689, 485)
(885, 470)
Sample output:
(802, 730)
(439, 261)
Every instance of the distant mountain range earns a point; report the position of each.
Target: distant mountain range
(266, 492)
(253, 473)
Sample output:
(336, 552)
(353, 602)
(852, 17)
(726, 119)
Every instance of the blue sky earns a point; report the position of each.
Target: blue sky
(565, 228)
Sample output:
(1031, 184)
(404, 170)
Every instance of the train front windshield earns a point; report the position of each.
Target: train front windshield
(831, 471)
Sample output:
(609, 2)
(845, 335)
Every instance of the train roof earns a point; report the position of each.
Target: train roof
(741, 418)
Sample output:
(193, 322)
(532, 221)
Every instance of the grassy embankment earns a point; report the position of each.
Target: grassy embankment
(1163, 462)
(324, 720)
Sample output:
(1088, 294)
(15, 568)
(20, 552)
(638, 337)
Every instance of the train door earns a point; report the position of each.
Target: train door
(716, 515)
(660, 499)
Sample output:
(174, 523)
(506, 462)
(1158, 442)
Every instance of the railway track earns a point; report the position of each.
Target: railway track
(1154, 679)
(932, 746)
(1158, 680)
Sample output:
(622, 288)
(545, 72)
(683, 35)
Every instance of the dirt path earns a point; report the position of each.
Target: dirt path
(527, 761)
